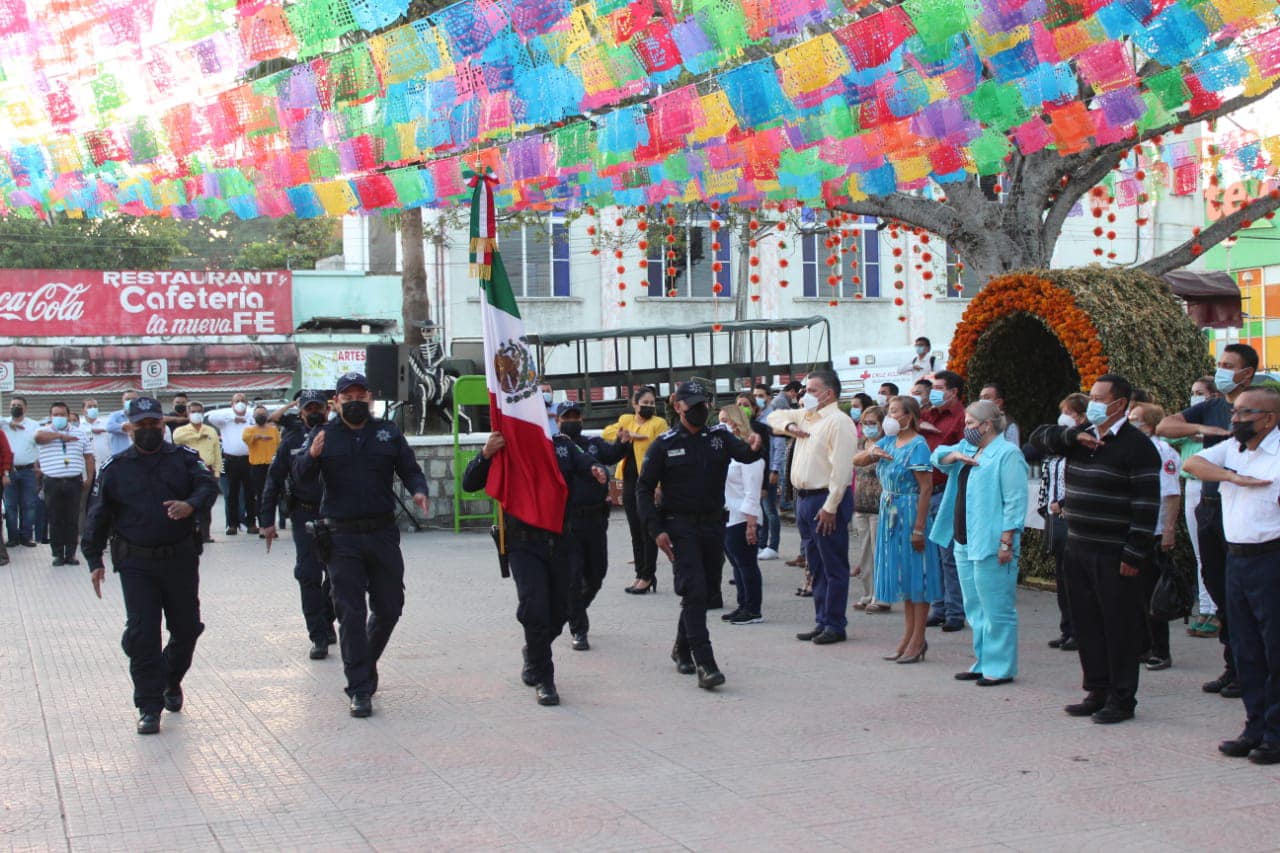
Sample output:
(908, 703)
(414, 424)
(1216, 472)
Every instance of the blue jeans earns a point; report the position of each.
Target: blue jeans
(951, 606)
(771, 523)
(828, 558)
(746, 568)
(20, 505)
(1253, 606)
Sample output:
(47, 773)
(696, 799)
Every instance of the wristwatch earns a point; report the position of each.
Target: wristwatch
(1006, 546)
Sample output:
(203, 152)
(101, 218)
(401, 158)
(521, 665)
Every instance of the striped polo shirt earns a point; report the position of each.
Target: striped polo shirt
(65, 457)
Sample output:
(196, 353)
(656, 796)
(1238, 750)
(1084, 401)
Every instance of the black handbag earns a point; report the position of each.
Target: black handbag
(1172, 597)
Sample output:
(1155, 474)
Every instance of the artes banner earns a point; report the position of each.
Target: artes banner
(195, 303)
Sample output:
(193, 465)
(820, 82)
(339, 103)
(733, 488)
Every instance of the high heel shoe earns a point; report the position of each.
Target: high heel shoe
(892, 657)
(916, 658)
(635, 590)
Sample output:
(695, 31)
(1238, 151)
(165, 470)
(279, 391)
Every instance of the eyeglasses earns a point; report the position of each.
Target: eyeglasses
(1240, 411)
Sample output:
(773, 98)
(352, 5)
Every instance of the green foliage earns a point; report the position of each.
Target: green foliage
(117, 242)
(292, 243)
(1030, 365)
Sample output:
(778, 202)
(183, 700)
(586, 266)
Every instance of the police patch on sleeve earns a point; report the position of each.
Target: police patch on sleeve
(1170, 467)
(384, 435)
(562, 451)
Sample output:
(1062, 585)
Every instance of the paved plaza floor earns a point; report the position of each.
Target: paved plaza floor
(805, 748)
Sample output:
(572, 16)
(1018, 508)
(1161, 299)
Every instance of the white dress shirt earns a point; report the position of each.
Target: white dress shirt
(1170, 486)
(232, 427)
(99, 439)
(22, 440)
(742, 490)
(1250, 515)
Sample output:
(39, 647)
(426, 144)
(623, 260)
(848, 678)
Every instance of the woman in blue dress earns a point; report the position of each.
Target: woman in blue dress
(906, 570)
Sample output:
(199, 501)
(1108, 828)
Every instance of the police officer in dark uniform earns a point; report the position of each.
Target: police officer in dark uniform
(585, 544)
(538, 565)
(148, 499)
(356, 534)
(301, 499)
(690, 462)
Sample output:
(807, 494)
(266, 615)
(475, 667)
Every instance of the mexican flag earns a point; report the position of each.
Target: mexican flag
(524, 478)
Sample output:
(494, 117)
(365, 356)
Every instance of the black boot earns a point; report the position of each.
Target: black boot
(709, 675)
(527, 675)
(683, 660)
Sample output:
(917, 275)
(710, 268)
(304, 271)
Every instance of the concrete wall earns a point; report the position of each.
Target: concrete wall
(435, 455)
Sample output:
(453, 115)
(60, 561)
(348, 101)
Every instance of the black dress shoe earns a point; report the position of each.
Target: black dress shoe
(1239, 747)
(319, 650)
(1057, 643)
(1157, 663)
(1231, 691)
(1069, 645)
(580, 643)
(233, 531)
(28, 543)
(684, 663)
(1092, 704)
(952, 627)
(58, 561)
(546, 693)
(11, 543)
(968, 676)
(1111, 714)
(828, 637)
(149, 723)
(993, 682)
(935, 621)
(1265, 753)
(361, 705)
(710, 676)
(807, 636)
(173, 699)
(1218, 683)
(71, 561)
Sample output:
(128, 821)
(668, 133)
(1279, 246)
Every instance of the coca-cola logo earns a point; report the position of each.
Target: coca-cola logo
(48, 302)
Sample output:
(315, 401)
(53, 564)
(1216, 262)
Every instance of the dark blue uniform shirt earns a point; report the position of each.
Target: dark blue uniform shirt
(129, 497)
(307, 490)
(584, 489)
(356, 468)
(571, 460)
(692, 467)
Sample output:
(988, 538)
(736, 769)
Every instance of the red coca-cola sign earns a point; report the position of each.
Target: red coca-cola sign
(153, 303)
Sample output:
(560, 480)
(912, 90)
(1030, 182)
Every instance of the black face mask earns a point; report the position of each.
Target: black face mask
(647, 412)
(180, 408)
(355, 411)
(314, 419)
(17, 411)
(148, 439)
(572, 429)
(260, 420)
(696, 415)
(1244, 432)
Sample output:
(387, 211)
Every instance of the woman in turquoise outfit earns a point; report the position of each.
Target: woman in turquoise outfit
(905, 570)
(984, 509)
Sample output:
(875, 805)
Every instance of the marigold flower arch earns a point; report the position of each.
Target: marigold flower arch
(1053, 305)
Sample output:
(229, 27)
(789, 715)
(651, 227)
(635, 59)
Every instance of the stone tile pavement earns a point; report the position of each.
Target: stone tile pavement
(810, 748)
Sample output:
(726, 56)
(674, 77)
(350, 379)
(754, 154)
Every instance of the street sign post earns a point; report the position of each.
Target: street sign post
(155, 373)
(6, 375)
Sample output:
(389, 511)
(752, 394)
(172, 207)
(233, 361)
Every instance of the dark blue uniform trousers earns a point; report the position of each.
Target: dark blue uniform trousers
(699, 549)
(366, 564)
(1253, 604)
(828, 558)
(587, 549)
(312, 578)
(151, 588)
(540, 568)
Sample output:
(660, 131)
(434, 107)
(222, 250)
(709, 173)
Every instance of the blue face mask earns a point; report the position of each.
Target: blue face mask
(1096, 413)
(1225, 380)
(546, 397)
(871, 431)
(59, 422)
(91, 412)
(855, 413)
(936, 397)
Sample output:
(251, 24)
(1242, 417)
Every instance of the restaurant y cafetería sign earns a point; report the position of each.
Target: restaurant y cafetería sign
(196, 303)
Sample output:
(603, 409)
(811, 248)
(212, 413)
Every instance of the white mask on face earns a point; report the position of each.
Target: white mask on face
(882, 400)
(1197, 399)
(891, 426)
(1065, 420)
(810, 402)
(239, 408)
(196, 418)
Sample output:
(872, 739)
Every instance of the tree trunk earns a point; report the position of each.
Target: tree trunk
(740, 303)
(416, 309)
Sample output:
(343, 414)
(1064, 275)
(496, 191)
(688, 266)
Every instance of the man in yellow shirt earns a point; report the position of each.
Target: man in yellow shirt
(262, 438)
(822, 473)
(203, 439)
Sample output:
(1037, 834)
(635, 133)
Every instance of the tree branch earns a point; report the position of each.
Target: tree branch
(1211, 236)
(921, 212)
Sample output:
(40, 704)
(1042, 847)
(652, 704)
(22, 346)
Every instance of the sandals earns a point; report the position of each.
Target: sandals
(1206, 626)
(878, 607)
(806, 591)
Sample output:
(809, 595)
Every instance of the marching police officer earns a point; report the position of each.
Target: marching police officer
(585, 543)
(147, 499)
(690, 462)
(356, 534)
(301, 500)
(541, 574)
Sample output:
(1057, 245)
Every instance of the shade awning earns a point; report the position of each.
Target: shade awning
(210, 383)
(1213, 298)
